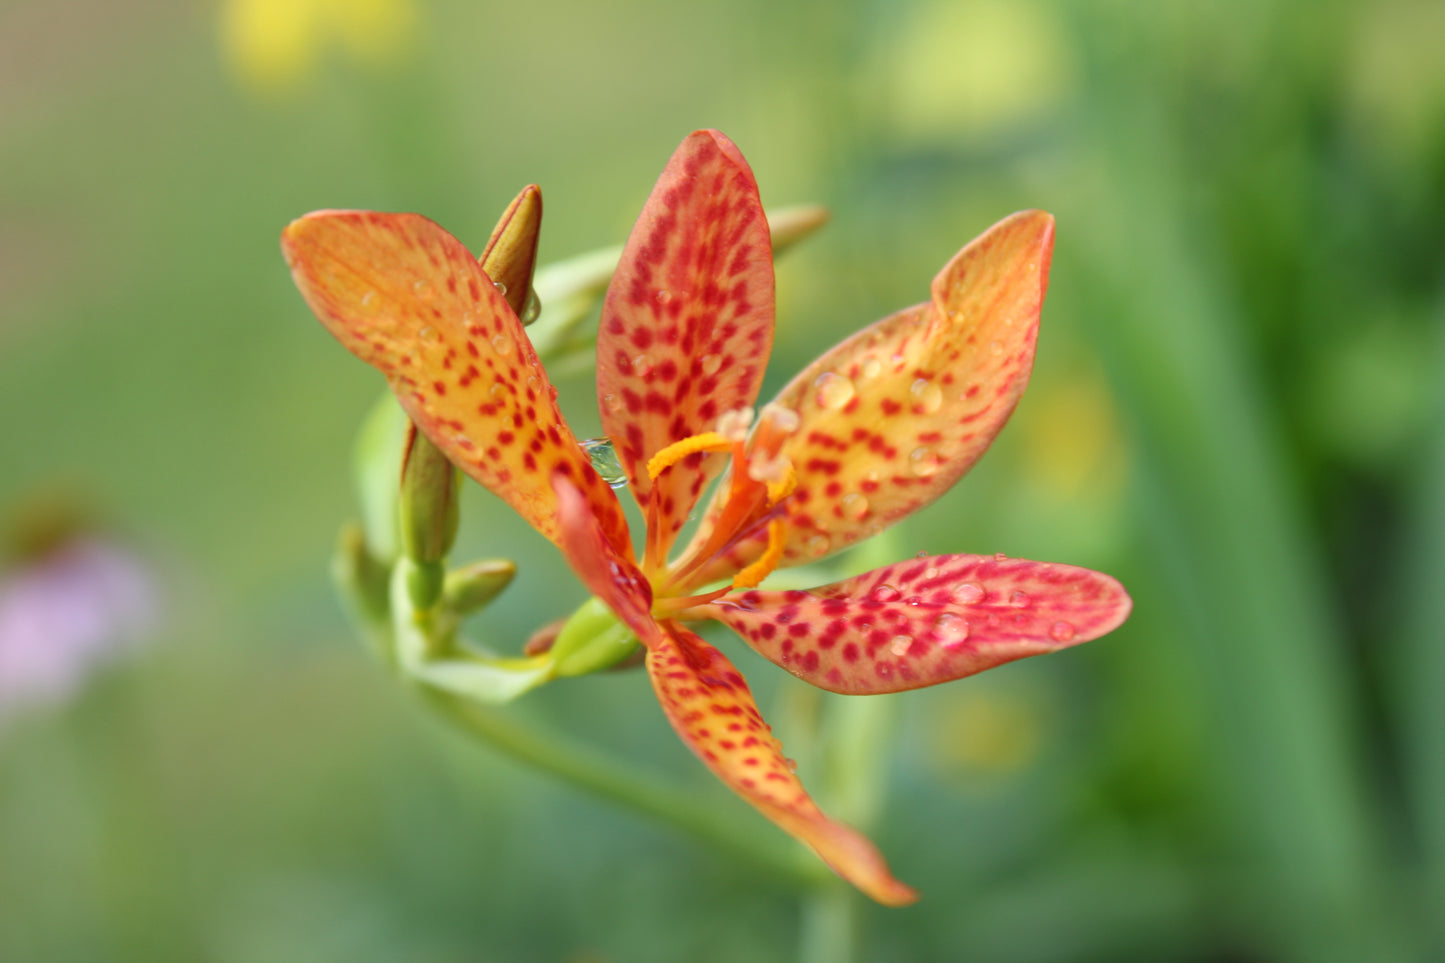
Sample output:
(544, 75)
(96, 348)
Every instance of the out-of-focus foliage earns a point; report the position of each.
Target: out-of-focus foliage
(1238, 409)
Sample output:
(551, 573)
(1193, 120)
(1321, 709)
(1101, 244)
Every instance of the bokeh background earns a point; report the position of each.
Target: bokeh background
(1237, 409)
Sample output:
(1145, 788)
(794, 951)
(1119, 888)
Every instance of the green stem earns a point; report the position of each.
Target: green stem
(640, 792)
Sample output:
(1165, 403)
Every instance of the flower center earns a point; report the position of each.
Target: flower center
(761, 478)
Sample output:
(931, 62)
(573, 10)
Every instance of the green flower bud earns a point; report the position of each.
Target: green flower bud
(470, 588)
(429, 512)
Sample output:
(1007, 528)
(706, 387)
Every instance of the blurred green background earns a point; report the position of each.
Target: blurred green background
(1237, 409)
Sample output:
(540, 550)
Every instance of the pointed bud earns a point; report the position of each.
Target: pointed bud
(429, 513)
(592, 640)
(361, 578)
(789, 225)
(510, 257)
(471, 587)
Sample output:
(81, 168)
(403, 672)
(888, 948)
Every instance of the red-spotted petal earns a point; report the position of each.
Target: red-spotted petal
(688, 322)
(894, 415)
(925, 621)
(408, 298)
(610, 575)
(708, 702)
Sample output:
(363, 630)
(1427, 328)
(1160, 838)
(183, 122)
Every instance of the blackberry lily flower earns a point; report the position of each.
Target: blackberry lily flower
(878, 427)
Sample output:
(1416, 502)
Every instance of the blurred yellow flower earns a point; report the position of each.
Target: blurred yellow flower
(274, 45)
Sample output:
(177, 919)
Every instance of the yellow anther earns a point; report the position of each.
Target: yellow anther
(678, 450)
(783, 487)
(754, 574)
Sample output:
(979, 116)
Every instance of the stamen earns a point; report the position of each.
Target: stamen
(678, 450)
(783, 487)
(753, 575)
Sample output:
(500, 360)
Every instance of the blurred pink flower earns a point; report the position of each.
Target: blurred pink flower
(65, 613)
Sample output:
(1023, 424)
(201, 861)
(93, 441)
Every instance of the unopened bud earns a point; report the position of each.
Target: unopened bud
(471, 587)
(429, 513)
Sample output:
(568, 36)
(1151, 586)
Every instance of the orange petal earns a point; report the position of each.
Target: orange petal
(894, 415)
(925, 621)
(708, 702)
(406, 297)
(610, 575)
(688, 322)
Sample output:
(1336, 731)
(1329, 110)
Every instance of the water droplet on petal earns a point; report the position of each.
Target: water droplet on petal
(663, 297)
(604, 460)
(500, 286)
(502, 344)
(871, 367)
(885, 593)
(927, 396)
(427, 333)
(818, 546)
(496, 390)
(854, 506)
(711, 364)
(420, 285)
(996, 348)
(833, 390)
(1061, 632)
(642, 365)
(1019, 600)
(923, 461)
(534, 384)
(792, 765)
(368, 300)
(899, 645)
(532, 309)
(930, 572)
(968, 593)
(950, 629)
(612, 402)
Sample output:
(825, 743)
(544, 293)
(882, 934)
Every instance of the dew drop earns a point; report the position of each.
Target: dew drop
(996, 348)
(500, 286)
(885, 593)
(854, 506)
(534, 384)
(1061, 631)
(532, 309)
(496, 390)
(833, 390)
(818, 546)
(502, 344)
(930, 573)
(642, 365)
(427, 333)
(923, 461)
(950, 629)
(899, 645)
(663, 297)
(1019, 600)
(368, 300)
(968, 593)
(604, 460)
(792, 765)
(927, 396)
(420, 285)
(612, 402)
(711, 364)
(871, 367)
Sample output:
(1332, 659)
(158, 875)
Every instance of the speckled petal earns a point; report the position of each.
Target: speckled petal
(610, 575)
(893, 416)
(409, 299)
(708, 702)
(925, 621)
(688, 322)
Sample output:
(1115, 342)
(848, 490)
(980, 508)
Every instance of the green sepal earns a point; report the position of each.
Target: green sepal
(591, 641)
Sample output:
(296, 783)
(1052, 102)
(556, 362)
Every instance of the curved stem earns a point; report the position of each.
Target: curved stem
(640, 792)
